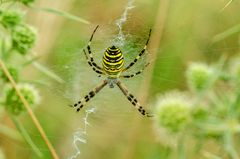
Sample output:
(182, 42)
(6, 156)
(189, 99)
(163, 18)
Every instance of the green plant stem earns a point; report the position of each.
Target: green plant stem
(181, 146)
(221, 36)
(5, 51)
(46, 71)
(29, 110)
(25, 135)
(229, 145)
(211, 156)
(234, 110)
(199, 144)
(11, 133)
(33, 61)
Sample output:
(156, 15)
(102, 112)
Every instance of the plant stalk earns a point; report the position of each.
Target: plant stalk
(29, 110)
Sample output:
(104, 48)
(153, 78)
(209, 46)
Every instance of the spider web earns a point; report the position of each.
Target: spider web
(80, 138)
(75, 87)
(121, 39)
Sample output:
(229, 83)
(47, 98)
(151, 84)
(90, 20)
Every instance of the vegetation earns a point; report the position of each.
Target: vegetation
(192, 85)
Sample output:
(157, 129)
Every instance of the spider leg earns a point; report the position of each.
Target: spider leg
(140, 54)
(89, 96)
(132, 99)
(90, 52)
(137, 73)
(99, 71)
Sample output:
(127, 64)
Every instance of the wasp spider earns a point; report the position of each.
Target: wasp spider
(112, 67)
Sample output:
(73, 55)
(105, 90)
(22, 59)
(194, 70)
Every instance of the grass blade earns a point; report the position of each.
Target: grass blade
(41, 68)
(229, 2)
(13, 134)
(30, 61)
(47, 72)
(64, 14)
(26, 136)
(234, 30)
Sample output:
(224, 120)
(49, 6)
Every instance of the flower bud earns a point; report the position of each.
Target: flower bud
(14, 104)
(10, 18)
(199, 76)
(173, 111)
(23, 38)
(27, 2)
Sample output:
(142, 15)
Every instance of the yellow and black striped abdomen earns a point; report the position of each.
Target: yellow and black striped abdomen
(113, 61)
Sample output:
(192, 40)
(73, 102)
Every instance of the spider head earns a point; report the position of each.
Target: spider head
(111, 81)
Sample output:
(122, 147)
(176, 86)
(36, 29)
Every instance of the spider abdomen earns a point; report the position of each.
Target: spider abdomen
(113, 61)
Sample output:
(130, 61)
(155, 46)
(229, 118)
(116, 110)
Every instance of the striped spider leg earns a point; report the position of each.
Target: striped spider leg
(134, 74)
(140, 54)
(90, 52)
(132, 99)
(96, 69)
(89, 96)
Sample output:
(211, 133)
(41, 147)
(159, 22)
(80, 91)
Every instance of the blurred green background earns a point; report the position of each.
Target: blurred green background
(116, 130)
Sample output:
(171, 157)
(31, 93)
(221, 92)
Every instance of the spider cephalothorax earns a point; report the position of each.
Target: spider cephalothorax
(112, 67)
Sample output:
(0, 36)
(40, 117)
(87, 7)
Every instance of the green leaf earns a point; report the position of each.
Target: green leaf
(209, 155)
(64, 14)
(234, 30)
